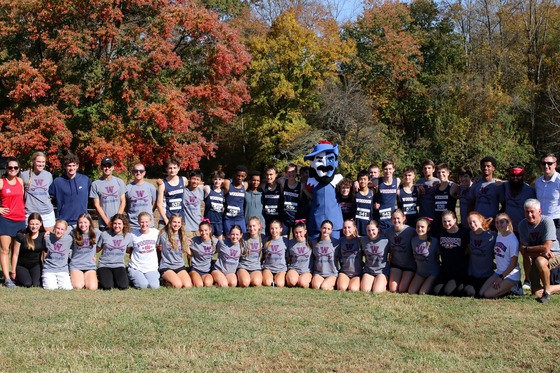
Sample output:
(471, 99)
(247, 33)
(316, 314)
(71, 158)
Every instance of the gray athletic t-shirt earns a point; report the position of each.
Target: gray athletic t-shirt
(170, 258)
(109, 193)
(351, 257)
(252, 260)
(37, 197)
(84, 256)
(140, 198)
(113, 249)
(400, 246)
(228, 256)
(274, 252)
(327, 255)
(425, 256)
(192, 206)
(58, 251)
(375, 252)
(487, 195)
(202, 253)
(535, 235)
(300, 256)
(481, 261)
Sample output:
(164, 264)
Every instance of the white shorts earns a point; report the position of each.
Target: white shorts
(49, 219)
(56, 280)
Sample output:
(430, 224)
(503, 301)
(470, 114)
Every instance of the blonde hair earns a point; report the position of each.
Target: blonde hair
(505, 216)
(169, 231)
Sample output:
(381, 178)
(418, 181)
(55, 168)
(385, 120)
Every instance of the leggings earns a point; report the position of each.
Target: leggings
(29, 276)
(110, 278)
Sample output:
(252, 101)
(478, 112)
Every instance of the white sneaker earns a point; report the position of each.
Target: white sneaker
(526, 285)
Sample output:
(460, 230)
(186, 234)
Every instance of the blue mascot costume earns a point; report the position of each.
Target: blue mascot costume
(322, 182)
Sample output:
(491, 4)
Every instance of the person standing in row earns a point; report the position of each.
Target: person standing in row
(170, 192)
(141, 196)
(70, 191)
(37, 182)
(108, 194)
(12, 215)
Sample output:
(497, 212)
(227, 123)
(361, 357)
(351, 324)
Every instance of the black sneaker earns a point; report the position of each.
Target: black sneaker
(545, 298)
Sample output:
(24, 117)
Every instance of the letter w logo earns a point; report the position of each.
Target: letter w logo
(323, 249)
(207, 249)
(233, 253)
(110, 189)
(38, 182)
(478, 243)
(301, 250)
(86, 242)
(254, 246)
(140, 193)
(274, 247)
(398, 240)
(117, 243)
(57, 247)
(534, 236)
(375, 249)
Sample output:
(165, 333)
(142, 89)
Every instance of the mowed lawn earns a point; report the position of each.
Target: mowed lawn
(268, 329)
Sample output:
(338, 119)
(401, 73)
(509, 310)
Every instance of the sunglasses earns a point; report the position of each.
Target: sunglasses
(138, 171)
(12, 168)
(547, 163)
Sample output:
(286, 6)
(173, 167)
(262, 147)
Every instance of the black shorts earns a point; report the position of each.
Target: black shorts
(443, 278)
(475, 282)
(404, 269)
(176, 270)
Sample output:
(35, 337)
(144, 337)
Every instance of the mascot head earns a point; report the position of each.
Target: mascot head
(324, 161)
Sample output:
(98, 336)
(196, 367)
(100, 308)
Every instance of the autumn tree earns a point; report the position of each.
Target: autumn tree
(292, 58)
(134, 80)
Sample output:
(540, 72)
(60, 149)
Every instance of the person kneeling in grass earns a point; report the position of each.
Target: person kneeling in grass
(143, 265)
(506, 251)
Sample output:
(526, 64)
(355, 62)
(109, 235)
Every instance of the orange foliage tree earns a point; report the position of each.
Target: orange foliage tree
(134, 80)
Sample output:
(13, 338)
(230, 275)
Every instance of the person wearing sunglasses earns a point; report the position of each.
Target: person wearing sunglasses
(12, 214)
(108, 194)
(141, 196)
(516, 193)
(548, 190)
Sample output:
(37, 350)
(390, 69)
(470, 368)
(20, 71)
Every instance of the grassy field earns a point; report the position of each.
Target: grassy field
(272, 329)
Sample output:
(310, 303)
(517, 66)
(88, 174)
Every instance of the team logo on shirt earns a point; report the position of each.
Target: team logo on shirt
(274, 248)
(255, 246)
(349, 247)
(534, 236)
(477, 243)
(301, 250)
(111, 191)
(207, 249)
(140, 193)
(398, 240)
(233, 253)
(375, 249)
(57, 247)
(421, 249)
(191, 201)
(323, 250)
(38, 182)
(86, 242)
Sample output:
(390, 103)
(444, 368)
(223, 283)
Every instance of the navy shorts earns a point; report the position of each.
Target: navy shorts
(404, 269)
(200, 273)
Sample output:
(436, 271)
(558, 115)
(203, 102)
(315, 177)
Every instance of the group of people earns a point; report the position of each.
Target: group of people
(398, 235)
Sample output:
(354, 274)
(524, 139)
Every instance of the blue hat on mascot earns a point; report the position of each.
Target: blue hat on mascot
(323, 146)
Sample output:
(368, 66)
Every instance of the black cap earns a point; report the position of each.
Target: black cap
(107, 160)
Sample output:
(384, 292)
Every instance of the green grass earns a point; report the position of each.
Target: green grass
(272, 329)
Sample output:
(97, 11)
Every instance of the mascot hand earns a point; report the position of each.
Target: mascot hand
(336, 179)
(312, 182)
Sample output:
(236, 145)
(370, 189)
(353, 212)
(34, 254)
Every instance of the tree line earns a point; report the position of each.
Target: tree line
(224, 82)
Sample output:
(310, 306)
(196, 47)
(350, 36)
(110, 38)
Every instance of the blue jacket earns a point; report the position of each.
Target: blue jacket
(71, 196)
